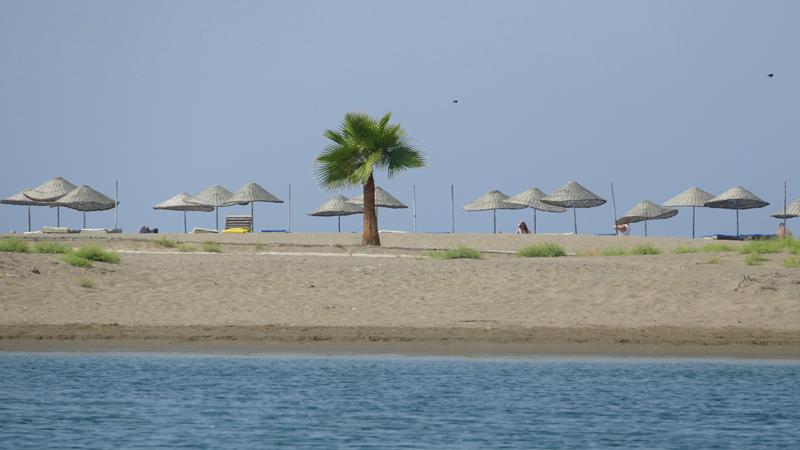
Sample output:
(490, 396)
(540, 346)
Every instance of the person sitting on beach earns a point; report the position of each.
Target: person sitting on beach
(783, 231)
(522, 228)
(623, 229)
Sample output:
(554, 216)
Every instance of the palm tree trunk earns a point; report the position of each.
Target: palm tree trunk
(370, 235)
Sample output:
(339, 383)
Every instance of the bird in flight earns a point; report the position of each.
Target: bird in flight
(455, 101)
(771, 75)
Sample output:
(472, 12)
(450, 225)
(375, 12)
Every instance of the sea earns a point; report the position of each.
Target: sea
(151, 400)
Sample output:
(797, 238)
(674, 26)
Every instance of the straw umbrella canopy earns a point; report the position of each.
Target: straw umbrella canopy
(532, 198)
(382, 200)
(492, 200)
(337, 206)
(179, 203)
(644, 211)
(19, 199)
(50, 191)
(792, 211)
(252, 193)
(736, 198)
(694, 197)
(84, 198)
(573, 195)
(214, 196)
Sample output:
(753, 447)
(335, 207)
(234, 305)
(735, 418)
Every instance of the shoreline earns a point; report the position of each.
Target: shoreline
(651, 342)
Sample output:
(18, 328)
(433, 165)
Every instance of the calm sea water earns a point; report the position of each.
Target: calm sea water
(191, 401)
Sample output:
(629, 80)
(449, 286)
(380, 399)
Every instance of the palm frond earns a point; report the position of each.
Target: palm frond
(402, 157)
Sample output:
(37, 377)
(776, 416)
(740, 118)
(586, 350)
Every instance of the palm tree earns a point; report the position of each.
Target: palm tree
(362, 145)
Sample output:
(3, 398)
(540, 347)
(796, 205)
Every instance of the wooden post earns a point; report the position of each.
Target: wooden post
(614, 202)
(452, 210)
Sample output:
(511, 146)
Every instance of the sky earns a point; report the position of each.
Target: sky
(170, 97)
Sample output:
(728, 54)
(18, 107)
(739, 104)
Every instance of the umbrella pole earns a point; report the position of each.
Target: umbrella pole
(693, 211)
(185, 228)
(339, 218)
(84, 219)
(575, 220)
(216, 210)
(534, 220)
(645, 227)
(737, 223)
(29, 217)
(494, 220)
(252, 217)
(58, 216)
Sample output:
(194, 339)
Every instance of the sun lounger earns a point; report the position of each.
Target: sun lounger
(57, 230)
(203, 230)
(274, 231)
(236, 230)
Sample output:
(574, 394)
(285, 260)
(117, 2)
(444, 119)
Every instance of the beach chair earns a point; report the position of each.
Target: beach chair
(243, 222)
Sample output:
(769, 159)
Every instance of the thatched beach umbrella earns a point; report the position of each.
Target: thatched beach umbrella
(694, 197)
(179, 203)
(383, 199)
(792, 211)
(50, 191)
(492, 200)
(19, 199)
(215, 196)
(252, 193)
(84, 198)
(573, 195)
(736, 198)
(532, 198)
(644, 211)
(337, 206)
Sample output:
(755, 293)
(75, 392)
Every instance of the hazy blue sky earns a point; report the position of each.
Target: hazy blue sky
(171, 96)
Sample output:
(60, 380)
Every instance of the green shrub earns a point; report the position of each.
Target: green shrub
(761, 247)
(717, 247)
(260, 247)
(460, 252)
(682, 250)
(185, 247)
(211, 247)
(51, 248)
(163, 242)
(94, 253)
(14, 245)
(546, 250)
(645, 249)
(73, 259)
(791, 262)
(754, 259)
(85, 283)
(613, 251)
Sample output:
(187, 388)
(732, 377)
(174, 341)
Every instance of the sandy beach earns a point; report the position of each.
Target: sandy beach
(325, 292)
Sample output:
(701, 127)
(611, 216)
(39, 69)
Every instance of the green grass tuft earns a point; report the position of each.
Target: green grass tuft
(51, 248)
(645, 249)
(682, 250)
(792, 245)
(791, 262)
(547, 250)
(14, 245)
(94, 253)
(260, 247)
(185, 247)
(714, 260)
(211, 247)
(460, 252)
(761, 247)
(613, 251)
(73, 259)
(163, 242)
(86, 283)
(717, 247)
(754, 259)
